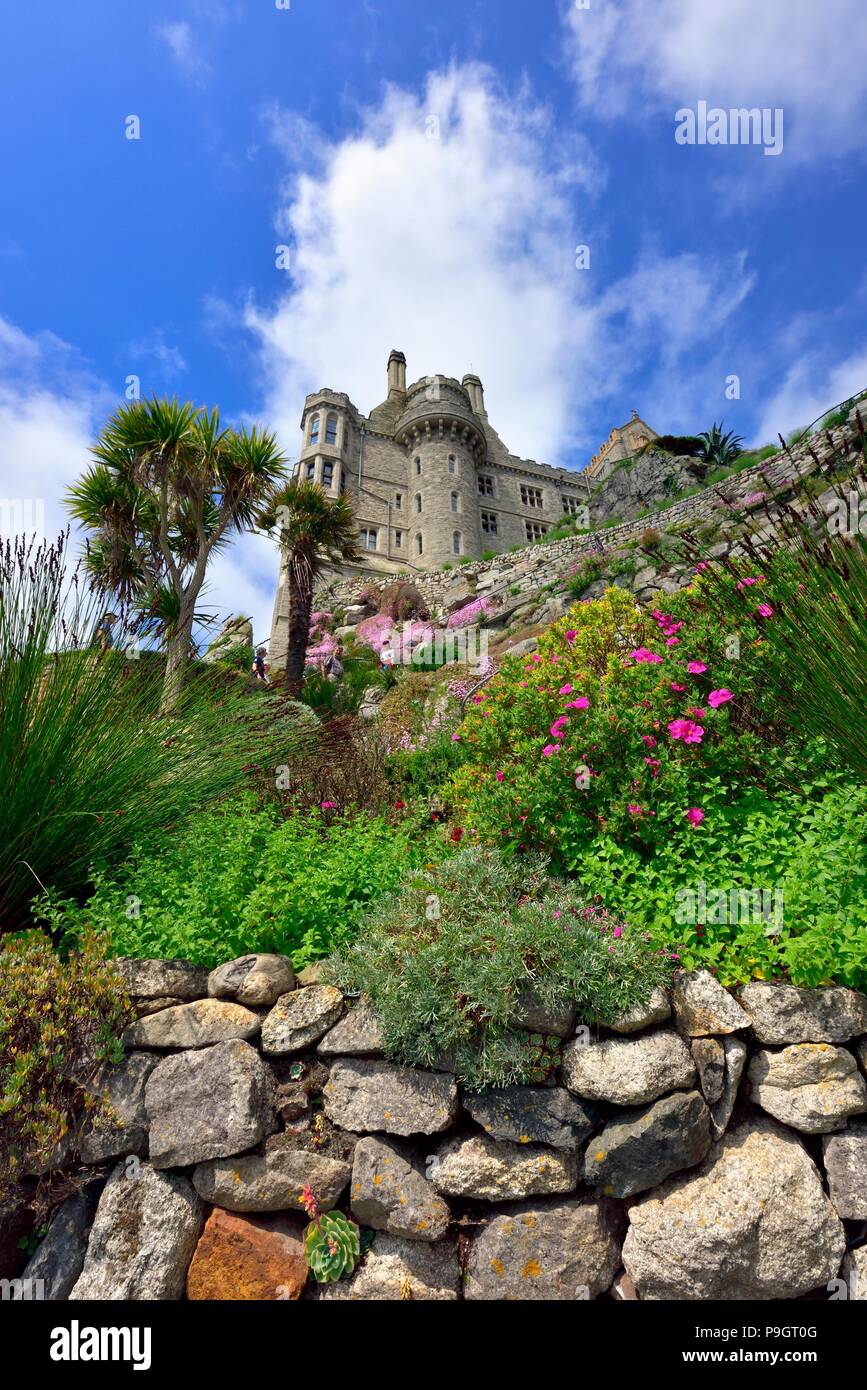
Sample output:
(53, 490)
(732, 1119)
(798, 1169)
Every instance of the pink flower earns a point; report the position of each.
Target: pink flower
(672, 642)
(685, 729)
(565, 689)
(765, 610)
(549, 749)
(696, 712)
(742, 583)
(581, 703)
(674, 685)
(649, 740)
(700, 567)
(694, 815)
(557, 914)
(499, 776)
(719, 697)
(696, 668)
(571, 635)
(328, 806)
(671, 629)
(618, 931)
(644, 654)
(455, 738)
(654, 765)
(633, 810)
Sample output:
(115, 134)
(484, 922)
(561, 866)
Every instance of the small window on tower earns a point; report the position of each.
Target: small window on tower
(418, 466)
(418, 501)
(314, 430)
(456, 542)
(331, 429)
(327, 474)
(398, 501)
(311, 470)
(367, 538)
(486, 485)
(398, 539)
(453, 467)
(419, 545)
(454, 501)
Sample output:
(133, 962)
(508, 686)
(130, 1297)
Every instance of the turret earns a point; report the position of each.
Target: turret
(396, 374)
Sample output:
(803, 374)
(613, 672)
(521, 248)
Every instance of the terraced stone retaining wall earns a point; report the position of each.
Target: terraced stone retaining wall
(713, 1145)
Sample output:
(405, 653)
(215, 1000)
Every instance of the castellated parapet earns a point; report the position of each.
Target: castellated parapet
(430, 480)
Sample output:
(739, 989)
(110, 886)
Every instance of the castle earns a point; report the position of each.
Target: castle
(430, 480)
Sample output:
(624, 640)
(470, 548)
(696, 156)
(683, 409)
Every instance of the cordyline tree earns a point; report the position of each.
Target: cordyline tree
(313, 531)
(169, 487)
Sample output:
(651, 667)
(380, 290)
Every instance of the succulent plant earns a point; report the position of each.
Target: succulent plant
(545, 1055)
(331, 1247)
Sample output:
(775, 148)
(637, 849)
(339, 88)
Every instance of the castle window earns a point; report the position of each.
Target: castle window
(367, 538)
(418, 467)
(452, 464)
(419, 544)
(486, 485)
(314, 430)
(342, 482)
(331, 429)
(489, 523)
(327, 474)
(454, 501)
(535, 530)
(398, 501)
(531, 496)
(311, 470)
(456, 542)
(418, 501)
(571, 505)
(398, 539)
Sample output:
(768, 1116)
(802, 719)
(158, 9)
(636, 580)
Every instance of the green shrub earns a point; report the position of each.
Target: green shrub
(805, 849)
(239, 880)
(450, 959)
(89, 763)
(60, 1019)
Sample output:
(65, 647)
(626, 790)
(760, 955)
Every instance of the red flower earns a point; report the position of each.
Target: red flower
(457, 834)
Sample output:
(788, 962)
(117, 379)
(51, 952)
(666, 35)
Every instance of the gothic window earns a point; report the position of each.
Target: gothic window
(419, 544)
(452, 464)
(418, 466)
(489, 523)
(531, 496)
(314, 430)
(486, 485)
(331, 429)
(418, 501)
(454, 501)
(456, 542)
(367, 538)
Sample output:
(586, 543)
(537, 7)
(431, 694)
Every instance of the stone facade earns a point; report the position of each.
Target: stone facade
(635, 1170)
(622, 443)
(430, 480)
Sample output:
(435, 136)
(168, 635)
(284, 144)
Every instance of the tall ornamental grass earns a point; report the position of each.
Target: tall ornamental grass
(89, 766)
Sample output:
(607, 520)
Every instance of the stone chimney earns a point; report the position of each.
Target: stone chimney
(396, 374)
(474, 389)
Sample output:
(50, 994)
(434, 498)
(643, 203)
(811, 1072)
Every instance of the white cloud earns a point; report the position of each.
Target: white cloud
(812, 386)
(169, 359)
(51, 407)
(184, 48)
(809, 58)
(459, 250)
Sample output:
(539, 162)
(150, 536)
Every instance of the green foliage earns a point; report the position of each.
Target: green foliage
(804, 848)
(585, 573)
(60, 1019)
(331, 1247)
(239, 880)
(589, 734)
(90, 765)
(451, 959)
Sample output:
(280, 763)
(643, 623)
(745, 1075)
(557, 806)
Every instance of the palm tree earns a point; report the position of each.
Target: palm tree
(168, 487)
(313, 531)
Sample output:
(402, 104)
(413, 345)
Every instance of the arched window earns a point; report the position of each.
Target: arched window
(418, 501)
(456, 542)
(453, 468)
(419, 544)
(418, 466)
(314, 430)
(454, 501)
(331, 429)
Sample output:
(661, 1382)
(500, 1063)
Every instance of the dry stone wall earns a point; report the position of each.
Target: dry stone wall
(710, 1145)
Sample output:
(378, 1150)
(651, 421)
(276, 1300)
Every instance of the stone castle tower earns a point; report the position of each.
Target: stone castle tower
(430, 480)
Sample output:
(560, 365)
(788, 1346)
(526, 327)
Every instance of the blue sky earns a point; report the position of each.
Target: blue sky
(432, 169)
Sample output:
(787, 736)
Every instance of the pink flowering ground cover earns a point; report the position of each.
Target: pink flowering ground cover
(623, 723)
(473, 612)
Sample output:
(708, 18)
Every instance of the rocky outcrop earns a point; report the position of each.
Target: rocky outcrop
(751, 1223)
(271, 1180)
(244, 1258)
(143, 1237)
(563, 1250)
(844, 1156)
(640, 1148)
(297, 1020)
(358, 1034)
(810, 1086)
(395, 1270)
(160, 979)
(119, 1124)
(379, 1096)
(703, 1008)
(784, 1014)
(493, 1171)
(390, 1194)
(207, 1104)
(199, 1024)
(629, 1071)
(255, 981)
(532, 1115)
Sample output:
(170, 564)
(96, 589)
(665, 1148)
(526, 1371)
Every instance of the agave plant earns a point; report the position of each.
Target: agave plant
(719, 449)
